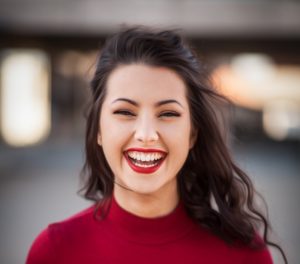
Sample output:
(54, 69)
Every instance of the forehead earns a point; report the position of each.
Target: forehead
(145, 82)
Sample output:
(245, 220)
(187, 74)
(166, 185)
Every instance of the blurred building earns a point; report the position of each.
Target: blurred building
(47, 55)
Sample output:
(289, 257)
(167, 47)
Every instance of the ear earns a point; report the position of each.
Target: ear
(99, 139)
(193, 137)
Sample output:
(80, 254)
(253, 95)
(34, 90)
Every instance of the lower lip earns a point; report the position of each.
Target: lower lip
(141, 169)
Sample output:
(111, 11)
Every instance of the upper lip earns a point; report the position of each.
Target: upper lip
(146, 150)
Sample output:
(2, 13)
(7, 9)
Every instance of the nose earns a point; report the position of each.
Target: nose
(145, 130)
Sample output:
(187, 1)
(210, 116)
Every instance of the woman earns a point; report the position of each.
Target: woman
(165, 187)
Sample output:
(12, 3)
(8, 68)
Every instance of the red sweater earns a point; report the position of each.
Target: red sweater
(125, 238)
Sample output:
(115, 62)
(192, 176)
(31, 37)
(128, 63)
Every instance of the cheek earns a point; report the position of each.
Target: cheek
(178, 133)
(114, 136)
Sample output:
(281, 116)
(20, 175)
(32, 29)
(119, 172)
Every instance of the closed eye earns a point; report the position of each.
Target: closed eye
(123, 112)
(169, 114)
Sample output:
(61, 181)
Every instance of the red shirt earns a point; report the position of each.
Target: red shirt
(122, 237)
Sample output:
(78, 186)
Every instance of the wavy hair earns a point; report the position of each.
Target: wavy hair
(215, 191)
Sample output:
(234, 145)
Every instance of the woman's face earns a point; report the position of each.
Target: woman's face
(145, 127)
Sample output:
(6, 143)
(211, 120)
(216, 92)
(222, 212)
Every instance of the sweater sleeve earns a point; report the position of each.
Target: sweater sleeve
(42, 249)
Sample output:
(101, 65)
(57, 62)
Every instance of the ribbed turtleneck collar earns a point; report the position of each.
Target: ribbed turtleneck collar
(142, 230)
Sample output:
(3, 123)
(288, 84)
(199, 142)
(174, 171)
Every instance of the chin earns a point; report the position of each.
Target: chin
(148, 188)
(145, 190)
(139, 186)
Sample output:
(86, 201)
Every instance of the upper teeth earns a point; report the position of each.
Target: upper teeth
(143, 156)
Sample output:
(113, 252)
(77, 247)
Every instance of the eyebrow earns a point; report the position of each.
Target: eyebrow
(160, 103)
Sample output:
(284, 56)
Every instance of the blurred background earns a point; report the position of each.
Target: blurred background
(47, 53)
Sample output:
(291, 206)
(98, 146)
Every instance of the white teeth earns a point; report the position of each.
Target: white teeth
(145, 156)
(143, 165)
(138, 157)
(152, 156)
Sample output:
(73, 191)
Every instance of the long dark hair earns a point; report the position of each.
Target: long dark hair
(215, 191)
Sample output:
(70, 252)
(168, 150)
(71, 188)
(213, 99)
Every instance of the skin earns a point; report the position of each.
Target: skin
(146, 125)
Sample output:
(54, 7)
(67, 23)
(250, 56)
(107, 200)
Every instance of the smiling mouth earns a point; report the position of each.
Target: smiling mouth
(145, 162)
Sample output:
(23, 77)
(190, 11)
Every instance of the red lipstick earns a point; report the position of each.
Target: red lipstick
(141, 169)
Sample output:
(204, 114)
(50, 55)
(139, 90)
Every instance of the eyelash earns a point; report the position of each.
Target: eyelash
(170, 114)
(128, 113)
(123, 112)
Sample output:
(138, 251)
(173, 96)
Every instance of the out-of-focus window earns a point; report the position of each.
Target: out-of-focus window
(255, 82)
(25, 110)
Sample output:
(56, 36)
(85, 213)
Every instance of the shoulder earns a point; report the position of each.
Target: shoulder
(41, 250)
(44, 248)
(81, 219)
(258, 252)
(260, 255)
(217, 250)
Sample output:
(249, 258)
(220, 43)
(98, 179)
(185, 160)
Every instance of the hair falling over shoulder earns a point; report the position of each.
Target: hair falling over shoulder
(215, 191)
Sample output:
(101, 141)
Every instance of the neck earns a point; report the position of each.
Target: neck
(147, 205)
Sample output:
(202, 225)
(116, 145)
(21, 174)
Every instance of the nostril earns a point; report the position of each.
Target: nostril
(146, 137)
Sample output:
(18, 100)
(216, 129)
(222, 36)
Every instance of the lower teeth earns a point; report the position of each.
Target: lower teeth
(144, 165)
